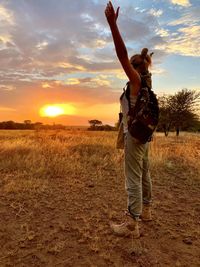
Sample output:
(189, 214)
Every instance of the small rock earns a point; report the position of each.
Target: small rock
(81, 241)
(22, 245)
(31, 235)
(61, 226)
(90, 185)
(187, 241)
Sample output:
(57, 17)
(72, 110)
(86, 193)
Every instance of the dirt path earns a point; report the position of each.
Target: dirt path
(69, 226)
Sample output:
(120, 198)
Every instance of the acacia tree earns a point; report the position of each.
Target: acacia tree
(94, 123)
(27, 122)
(184, 106)
(165, 120)
(179, 111)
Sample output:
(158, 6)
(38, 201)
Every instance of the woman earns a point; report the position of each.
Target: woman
(138, 181)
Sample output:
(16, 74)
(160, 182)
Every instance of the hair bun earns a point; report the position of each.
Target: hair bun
(144, 52)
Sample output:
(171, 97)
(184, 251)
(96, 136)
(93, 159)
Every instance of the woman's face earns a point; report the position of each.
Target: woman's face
(140, 65)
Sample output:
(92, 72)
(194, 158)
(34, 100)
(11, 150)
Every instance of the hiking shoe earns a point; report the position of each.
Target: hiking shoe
(130, 227)
(146, 214)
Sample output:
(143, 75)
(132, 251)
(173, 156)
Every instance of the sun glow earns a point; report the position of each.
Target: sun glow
(57, 110)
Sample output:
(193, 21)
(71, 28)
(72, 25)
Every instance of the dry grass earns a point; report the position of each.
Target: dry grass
(60, 188)
(34, 157)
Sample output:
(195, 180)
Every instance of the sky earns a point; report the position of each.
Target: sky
(60, 53)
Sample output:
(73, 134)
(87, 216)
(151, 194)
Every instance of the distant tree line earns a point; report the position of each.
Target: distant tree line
(28, 125)
(179, 112)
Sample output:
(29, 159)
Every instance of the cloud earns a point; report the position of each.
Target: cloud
(46, 85)
(42, 42)
(6, 109)
(71, 66)
(98, 80)
(7, 87)
(158, 71)
(184, 3)
(72, 81)
(156, 12)
(42, 45)
(5, 38)
(189, 17)
(183, 34)
(186, 42)
(162, 33)
(6, 16)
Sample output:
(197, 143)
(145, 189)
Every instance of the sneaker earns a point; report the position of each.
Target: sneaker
(130, 227)
(146, 214)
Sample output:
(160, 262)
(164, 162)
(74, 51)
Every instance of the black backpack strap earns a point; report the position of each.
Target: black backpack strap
(127, 93)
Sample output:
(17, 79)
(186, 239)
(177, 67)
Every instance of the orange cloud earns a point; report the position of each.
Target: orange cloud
(184, 3)
(69, 65)
(6, 109)
(6, 15)
(71, 81)
(46, 85)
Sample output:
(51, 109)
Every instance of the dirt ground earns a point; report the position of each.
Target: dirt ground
(67, 223)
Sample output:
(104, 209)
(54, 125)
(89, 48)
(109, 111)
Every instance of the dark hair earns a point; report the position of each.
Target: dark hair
(142, 61)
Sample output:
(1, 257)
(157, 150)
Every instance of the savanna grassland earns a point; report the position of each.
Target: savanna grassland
(59, 191)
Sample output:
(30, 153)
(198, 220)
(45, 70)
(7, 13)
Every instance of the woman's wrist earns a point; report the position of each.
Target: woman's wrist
(112, 24)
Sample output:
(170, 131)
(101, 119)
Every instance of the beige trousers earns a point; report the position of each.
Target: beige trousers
(137, 177)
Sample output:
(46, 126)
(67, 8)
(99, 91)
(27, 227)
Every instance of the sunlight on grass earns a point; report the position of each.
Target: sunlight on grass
(34, 157)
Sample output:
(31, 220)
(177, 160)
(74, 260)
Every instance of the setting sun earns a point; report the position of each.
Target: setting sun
(57, 110)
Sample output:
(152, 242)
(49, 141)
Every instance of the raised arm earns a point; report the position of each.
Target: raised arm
(120, 48)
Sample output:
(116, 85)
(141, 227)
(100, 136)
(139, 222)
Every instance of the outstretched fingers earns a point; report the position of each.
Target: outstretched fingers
(109, 9)
(111, 6)
(110, 12)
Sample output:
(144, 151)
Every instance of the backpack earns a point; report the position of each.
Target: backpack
(143, 118)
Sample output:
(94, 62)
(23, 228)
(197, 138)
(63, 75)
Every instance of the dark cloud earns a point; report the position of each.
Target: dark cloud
(48, 32)
(45, 34)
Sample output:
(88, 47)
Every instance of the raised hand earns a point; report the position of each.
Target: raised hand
(110, 13)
